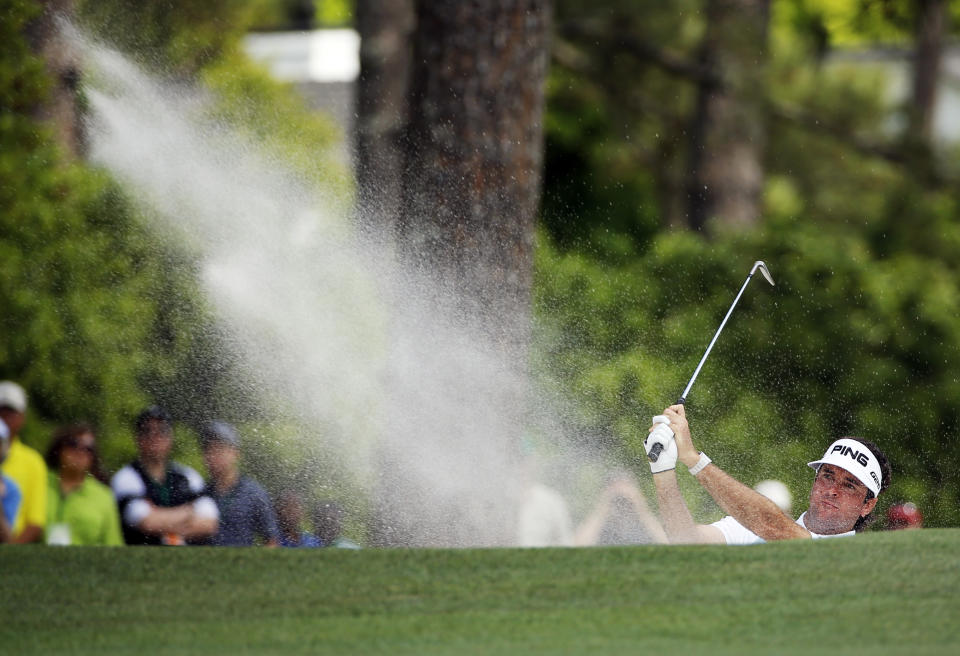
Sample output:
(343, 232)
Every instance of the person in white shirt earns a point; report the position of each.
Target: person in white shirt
(850, 476)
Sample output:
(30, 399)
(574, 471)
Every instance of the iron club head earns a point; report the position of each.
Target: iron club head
(764, 270)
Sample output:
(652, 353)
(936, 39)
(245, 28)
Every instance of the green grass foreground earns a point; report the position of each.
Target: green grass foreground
(884, 593)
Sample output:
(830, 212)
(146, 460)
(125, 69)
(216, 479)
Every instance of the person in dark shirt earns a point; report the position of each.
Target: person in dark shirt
(160, 501)
(246, 514)
(328, 525)
(291, 517)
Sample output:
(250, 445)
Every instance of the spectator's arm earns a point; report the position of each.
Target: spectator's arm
(589, 530)
(650, 523)
(112, 532)
(29, 534)
(33, 506)
(166, 520)
(5, 532)
(204, 519)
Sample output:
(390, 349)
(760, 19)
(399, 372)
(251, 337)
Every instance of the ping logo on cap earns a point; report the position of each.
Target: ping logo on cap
(859, 456)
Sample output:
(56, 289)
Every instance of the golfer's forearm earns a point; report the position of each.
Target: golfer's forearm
(749, 507)
(677, 521)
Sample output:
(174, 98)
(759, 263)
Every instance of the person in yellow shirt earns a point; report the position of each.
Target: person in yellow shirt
(25, 466)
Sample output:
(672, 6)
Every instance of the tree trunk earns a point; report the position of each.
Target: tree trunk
(385, 28)
(60, 110)
(474, 151)
(728, 132)
(931, 26)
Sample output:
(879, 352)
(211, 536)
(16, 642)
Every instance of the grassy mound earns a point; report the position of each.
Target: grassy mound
(883, 593)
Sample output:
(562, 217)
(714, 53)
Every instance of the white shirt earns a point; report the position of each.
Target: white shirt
(544, 520)
(736, 533)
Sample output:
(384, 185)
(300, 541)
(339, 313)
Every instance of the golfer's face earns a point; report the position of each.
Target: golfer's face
(838, 498)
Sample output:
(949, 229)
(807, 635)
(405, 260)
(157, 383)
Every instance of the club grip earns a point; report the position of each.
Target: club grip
(655, 450)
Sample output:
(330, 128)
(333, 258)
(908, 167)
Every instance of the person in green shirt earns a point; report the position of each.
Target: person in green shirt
(81, 510)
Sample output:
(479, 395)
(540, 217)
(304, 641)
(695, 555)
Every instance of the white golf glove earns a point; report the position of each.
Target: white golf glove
(662, 434)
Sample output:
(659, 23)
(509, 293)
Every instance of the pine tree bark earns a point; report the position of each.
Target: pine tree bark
(728, 132)
(60, 110)
(385, 28)
(473, 153)
(931, 26)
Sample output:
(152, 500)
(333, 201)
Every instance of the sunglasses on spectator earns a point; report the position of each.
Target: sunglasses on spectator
(79, 446)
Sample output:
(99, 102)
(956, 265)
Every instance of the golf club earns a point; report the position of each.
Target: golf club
(657, 448)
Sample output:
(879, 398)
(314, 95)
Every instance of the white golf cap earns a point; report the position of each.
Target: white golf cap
(856, 458)
(12, 396)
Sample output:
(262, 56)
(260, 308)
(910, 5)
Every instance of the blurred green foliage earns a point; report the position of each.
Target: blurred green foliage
(860, 336)
(100, 314)
(87, 295)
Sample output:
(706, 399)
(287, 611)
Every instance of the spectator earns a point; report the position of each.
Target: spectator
(246, 513)
(328, 525)
(290, 518)
(25, 466)
(80, 507)
(543, 518)
(621, 516)
(904, 516)
(9, 490)
(161, 502)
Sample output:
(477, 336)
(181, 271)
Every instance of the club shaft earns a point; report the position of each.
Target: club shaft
(686, 390)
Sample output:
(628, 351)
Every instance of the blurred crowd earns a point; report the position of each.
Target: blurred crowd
(65, 498)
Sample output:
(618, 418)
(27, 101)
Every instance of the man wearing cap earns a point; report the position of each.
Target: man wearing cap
(25, 466)
(246, 513)
(850, 476)
(9, 491)
(160, 501)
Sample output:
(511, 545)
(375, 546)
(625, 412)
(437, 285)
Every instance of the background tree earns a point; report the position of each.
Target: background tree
(385, 27)
(59, 107)
(473, 153)
(930, 31)
(728, 131)
(100, 315)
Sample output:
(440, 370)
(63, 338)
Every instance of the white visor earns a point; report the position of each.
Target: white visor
(856, 458)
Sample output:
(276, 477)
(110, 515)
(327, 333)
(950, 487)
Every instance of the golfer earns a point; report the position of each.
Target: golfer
(850, 476)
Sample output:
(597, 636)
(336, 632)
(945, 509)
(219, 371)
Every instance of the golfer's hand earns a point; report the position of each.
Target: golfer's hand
(661, 434)
(686, 452)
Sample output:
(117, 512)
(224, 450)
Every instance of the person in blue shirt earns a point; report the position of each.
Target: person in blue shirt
(9, 491)
(246, 513)
(290, 516)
